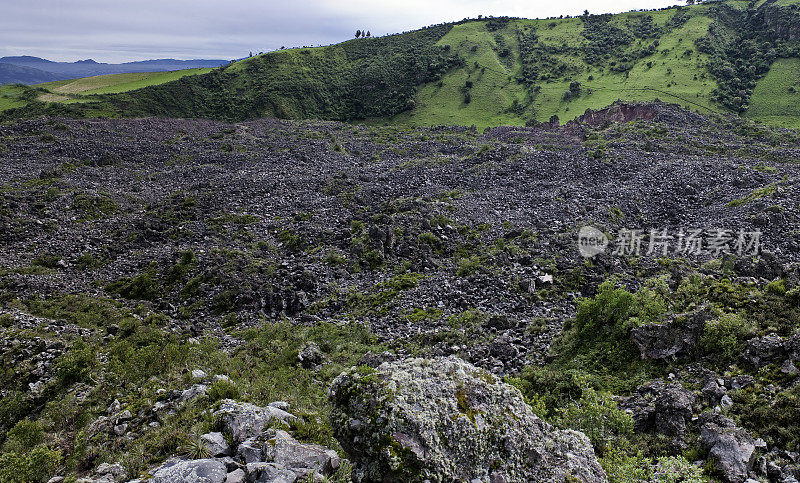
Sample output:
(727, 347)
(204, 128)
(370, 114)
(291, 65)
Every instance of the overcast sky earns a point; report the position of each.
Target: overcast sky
(124, 30)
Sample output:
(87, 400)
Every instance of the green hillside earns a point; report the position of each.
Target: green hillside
(732, 56)
(72, 90)
(85, 89)
(776, 99)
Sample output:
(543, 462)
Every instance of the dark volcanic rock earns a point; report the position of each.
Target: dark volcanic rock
(677, 337)
(661, 408)
(761, 351)
(730, 448)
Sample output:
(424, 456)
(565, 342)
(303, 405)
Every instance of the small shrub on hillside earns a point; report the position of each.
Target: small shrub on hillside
(141, 287)
(469, 266)
(428, 238)
(676, 469)
(223, 389)
(777, 287)
(622, 467)
(38, 465)
(725, 336)
(608, 311)
(24, 436)
(194, 447)
(76, 365)
(597, 416)
(291, 241)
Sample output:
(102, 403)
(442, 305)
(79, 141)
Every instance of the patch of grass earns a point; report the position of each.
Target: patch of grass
(773, 101)
(757, 194)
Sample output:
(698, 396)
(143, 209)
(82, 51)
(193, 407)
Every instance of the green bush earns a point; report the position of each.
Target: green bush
(597, 416)
(141, 287)
(291, 241)
(24, 436)
(38, 465)
(675, 469)
(76, 365)
(223, 389)
(725, 336)
(608, 311)
(622, 467)
(469, 266)
(428, 238)
(777, 287)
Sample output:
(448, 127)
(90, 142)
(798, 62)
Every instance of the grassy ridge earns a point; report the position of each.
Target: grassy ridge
(376, 77)
(115, 83)
(85, 89)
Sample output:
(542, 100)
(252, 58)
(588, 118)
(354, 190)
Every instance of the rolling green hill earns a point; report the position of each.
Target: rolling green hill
(73, 90)
(84, 89)
(733, 56)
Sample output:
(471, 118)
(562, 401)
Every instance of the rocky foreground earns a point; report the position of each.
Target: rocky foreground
(381, 304)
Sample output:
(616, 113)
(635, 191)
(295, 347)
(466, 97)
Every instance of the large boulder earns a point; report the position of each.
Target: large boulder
(190, 471)
(661, 408)
(730, 448)
(216, 444)
(287, 452)
(761, 351)
(243, 421)
(676, 338)
(446, 420)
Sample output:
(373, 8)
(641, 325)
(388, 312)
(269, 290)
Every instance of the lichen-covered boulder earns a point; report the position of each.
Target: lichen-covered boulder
(446, 420)
(191, 471)
(243, 420)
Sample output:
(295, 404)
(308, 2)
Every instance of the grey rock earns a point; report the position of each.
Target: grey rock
(789, 368)
(310, 356)
(190, 471)
(731, 448)
(250, 451)
(678, 337)
(713, 391)
(287, 452)
(761, 351)
(372, 359)
(792, 347)
(230, 463)
(661, 408)
(124, 416)
(446, 420)
(741, 382)
(216, 444)
(262, 472)
(243, 420)
(115, 471)
(726, 402)
(282, 405)
(236, 476)
(199, 375)
(193, 392)
(114, 407)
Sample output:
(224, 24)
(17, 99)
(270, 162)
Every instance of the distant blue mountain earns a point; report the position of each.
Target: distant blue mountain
(16, 74)
(50, 71)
